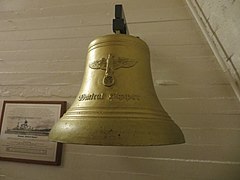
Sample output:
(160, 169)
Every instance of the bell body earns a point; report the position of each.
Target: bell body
(117, 103)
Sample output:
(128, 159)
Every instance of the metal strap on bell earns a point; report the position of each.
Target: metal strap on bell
(117, 104)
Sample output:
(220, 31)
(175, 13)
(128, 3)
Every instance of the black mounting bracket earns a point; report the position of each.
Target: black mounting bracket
(119, 23)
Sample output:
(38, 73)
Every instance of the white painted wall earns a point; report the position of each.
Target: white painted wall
(224, 17)
(42, 53)
(221, 21)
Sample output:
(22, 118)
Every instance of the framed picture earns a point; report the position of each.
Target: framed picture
(24, 129)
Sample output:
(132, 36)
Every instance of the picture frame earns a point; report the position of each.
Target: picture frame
(24, 129)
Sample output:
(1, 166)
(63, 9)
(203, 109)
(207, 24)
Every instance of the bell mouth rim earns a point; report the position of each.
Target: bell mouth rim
(109, 134)
(115, 39)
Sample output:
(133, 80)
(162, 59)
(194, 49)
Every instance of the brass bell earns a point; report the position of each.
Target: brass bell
(117, 104)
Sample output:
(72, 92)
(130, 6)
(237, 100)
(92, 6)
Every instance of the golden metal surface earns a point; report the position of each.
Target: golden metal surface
(117, 103)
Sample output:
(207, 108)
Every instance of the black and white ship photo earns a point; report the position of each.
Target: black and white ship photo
(28, 126)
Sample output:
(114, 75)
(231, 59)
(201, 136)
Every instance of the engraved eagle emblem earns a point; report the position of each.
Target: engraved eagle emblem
(110, 64)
